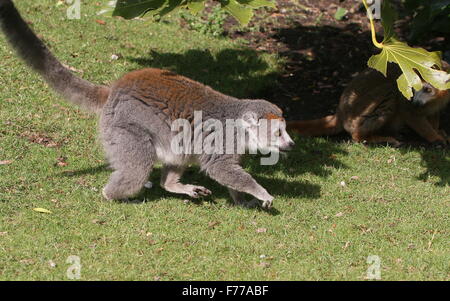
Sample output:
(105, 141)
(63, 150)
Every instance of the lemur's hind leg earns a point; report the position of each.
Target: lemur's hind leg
(368, 129)
(434, 121)
(132, 157)
(425, 129)
(170, 181)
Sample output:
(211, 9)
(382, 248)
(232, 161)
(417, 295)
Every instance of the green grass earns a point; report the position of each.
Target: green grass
(398, 208)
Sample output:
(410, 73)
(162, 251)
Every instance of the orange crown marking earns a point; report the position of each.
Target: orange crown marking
(270, 116)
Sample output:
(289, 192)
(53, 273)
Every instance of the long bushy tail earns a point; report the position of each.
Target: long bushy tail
(33, 51)
(328, 125)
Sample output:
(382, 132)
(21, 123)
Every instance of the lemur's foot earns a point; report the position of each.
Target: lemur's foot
(197, 191)
(267, 204)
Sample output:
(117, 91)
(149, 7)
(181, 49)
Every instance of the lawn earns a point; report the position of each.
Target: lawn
(337, 203)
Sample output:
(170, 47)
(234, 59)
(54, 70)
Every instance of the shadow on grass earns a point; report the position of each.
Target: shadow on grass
(438, 165)
(238, 72)
(86, 171)
(436, 162)
(320, 62)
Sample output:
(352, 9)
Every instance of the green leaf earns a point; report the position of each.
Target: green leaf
(196, 6)
(130, 9)
(258, 3)
(42, 210)
(411, 60)
(340, 13)
(388, 17)
(170, 6)
(241, 12)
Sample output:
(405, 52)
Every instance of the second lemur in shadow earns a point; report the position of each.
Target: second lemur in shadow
(372, 109)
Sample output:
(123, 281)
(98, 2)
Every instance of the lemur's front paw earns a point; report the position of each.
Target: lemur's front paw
(267, 200)
(267, 204)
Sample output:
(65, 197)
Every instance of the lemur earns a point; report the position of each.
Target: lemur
(371, 109)
(136, 113)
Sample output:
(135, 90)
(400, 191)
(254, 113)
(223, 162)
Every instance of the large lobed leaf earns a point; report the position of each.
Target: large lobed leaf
(415, 63)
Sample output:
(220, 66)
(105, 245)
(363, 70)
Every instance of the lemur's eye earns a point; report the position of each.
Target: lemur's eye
(427, 90)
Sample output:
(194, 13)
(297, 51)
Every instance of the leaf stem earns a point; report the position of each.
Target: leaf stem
(372, 26)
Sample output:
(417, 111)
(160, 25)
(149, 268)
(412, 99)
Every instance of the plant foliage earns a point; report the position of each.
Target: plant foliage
(428, 16)
(415, 63)
(242, 10)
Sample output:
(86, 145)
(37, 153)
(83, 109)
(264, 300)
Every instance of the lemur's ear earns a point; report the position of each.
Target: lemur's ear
(250, 119)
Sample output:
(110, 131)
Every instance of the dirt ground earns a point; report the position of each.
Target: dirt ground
(322, 54)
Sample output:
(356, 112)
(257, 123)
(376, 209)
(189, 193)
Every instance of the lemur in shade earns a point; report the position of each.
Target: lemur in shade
(136, 113)
(372, 109)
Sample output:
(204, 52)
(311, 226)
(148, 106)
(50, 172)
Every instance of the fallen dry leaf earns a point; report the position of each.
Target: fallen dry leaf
(5, 162)
(27, 261)
(261, 230)
(347, 244)
(42, 210)
(61, 162)
(98, 222)
(212, 225)
(39, 138)
(101, 22)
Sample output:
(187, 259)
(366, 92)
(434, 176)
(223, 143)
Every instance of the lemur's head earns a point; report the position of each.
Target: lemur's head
(431, 95)
(266, 127)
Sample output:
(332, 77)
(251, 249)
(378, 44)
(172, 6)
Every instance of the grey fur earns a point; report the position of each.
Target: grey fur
(137, 134)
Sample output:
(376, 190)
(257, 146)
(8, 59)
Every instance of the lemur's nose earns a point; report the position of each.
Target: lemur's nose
(290, 145)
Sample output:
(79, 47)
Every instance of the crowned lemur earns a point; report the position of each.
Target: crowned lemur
(136, 113)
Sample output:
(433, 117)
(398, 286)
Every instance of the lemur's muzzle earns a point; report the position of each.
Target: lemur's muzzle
(288, 147)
